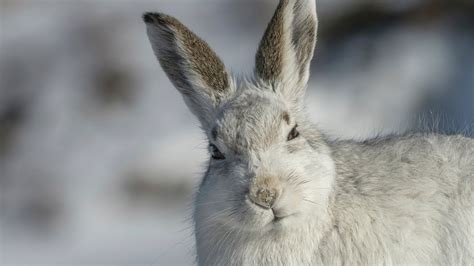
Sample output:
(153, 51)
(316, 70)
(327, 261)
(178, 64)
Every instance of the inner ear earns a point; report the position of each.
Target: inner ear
(269, 60)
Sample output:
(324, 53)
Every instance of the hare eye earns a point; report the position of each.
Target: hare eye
(215, 153)
(293, 133)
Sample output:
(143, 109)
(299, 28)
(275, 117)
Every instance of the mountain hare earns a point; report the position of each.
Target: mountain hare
(278, 192)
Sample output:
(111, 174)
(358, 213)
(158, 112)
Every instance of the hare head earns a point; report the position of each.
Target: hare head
(269, 170)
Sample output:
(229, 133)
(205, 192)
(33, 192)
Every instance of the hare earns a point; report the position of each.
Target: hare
(277, 191)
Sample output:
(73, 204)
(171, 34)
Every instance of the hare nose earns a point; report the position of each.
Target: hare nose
(263, 197)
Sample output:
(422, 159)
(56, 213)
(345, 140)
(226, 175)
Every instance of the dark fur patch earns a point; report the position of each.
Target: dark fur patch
(214, 133)
(148, 17)
(286, 117)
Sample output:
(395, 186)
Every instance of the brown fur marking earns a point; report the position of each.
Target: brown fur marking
(286, 117)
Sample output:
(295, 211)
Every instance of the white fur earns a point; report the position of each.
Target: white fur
(398, 200)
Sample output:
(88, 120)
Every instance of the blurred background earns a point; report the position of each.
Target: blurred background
(99, 156)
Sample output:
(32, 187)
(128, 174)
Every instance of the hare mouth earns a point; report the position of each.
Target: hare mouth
(270, 216)
(277, 219)
(278, 216)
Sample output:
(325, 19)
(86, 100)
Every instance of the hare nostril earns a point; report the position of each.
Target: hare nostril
(264, 197)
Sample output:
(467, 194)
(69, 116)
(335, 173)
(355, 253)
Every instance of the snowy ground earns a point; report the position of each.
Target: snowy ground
(99, 155)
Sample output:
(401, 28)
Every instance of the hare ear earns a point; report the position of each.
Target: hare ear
(287, 47)
(191, 65)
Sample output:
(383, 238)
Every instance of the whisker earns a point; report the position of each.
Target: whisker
(310, 201)
(217, 202)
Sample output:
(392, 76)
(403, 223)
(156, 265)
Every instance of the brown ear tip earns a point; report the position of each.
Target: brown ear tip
(153, 17)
